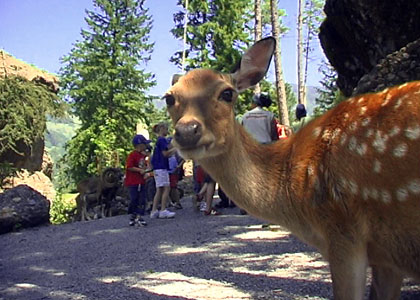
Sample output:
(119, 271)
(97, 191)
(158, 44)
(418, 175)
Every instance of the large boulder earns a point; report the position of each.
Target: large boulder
(22, 207)
(358, 35)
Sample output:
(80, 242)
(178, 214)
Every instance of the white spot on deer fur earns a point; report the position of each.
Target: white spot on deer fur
(384, 91)
(326, 135)
(352, 143)
(413, 133)
(374, 193)
(385, 196)
(379, 142)
(386, 101)
(394, 131)
(361, 149)
(311, 170)
(365, 193)
(346, 116)
(363, 110)
(369, 132)
(361, 100)
(353, 187)
(398, 104)
(353, 126)
(402, 194)
(316, 132)
(336, 133)
(377, 166)
(402, 85)
(343, 139)
(401, 150)
(414, 186)
(365, 122)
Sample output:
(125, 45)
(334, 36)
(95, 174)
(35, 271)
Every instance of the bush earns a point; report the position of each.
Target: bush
(63, 209)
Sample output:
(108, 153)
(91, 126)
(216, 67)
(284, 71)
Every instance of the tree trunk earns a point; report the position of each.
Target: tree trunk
(301, 68)
(258, 34)
(280, 86)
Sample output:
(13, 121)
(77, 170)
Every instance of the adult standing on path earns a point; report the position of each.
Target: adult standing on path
(260, 123)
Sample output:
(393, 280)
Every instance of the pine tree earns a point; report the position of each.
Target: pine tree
(102, 80)
(218, 32)
(328, 95)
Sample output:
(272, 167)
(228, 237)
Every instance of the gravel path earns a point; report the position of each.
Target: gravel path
(190, 257)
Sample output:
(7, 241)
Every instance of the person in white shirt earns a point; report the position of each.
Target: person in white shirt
(260, 123)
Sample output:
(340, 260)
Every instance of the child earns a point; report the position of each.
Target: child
(160, 165)
(134, 180)
(175, 166)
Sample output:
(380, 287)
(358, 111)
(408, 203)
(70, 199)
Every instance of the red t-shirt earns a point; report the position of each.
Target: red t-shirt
(134, 159)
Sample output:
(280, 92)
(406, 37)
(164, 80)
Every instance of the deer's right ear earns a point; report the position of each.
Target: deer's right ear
(254, 63)
(175, 78)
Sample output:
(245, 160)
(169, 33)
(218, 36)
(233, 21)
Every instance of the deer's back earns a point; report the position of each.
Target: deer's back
(360, 163)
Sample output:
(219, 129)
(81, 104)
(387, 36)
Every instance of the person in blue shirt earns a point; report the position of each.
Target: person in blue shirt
(160, 165)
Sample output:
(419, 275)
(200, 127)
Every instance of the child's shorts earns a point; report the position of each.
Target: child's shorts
(161, 177)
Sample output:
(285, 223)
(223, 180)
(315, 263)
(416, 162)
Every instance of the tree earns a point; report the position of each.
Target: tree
(102, 80)
(218, 32)
(258, 32)
(310, 16)
(280, 85)
(329, 94)
(215, 34)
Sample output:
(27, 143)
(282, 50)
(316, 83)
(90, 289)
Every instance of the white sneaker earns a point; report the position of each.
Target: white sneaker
(154, 214)
(203, 206)
(166, 214)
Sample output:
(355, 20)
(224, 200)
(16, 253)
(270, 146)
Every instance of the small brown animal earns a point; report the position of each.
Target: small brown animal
(98, 191)
(348, 183)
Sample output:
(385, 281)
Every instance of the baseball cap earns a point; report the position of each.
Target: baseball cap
(140, 139)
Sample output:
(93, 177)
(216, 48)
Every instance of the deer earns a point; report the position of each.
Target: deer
(347, 183)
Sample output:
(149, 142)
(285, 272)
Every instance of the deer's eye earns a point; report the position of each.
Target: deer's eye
(227, 95)
(170, 100)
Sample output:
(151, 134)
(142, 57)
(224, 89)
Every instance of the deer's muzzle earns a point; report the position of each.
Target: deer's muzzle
(187, 134)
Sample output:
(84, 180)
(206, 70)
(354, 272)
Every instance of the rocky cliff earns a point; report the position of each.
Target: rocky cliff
(372, 43)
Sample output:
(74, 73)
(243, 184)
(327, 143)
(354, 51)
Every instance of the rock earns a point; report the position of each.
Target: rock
(22, 207)
(36, 180)
(357, 34)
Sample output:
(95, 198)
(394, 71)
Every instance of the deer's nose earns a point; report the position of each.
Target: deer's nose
(187, 134)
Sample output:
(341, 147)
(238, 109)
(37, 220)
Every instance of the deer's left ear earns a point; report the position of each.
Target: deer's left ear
(254, 64)
(175, 78)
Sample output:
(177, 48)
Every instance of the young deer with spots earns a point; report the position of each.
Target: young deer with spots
(348, 183)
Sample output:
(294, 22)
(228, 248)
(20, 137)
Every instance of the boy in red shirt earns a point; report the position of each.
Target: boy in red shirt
(135, 169)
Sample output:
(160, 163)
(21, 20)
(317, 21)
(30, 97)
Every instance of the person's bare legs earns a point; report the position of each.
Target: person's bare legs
(157, 198)
(165, 196)
(209, 195)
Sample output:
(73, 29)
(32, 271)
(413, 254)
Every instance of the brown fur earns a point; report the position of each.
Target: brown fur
(97, 191)
(348, 183)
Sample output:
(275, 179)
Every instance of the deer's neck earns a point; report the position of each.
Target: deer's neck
(253, 175)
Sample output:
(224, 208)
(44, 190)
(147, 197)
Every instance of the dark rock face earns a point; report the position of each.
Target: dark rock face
(22, 207)
(358, 35)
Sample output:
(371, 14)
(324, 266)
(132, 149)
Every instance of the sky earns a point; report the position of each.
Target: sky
(40, 32)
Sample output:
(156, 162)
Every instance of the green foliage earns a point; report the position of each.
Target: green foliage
(24, 106)
(23, 109)
(62, 209)
(328, 95)
(6, 171)
(216, 33)
(107, 89)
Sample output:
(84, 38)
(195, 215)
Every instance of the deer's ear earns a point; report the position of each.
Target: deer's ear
(175, 78)
(254, 63)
